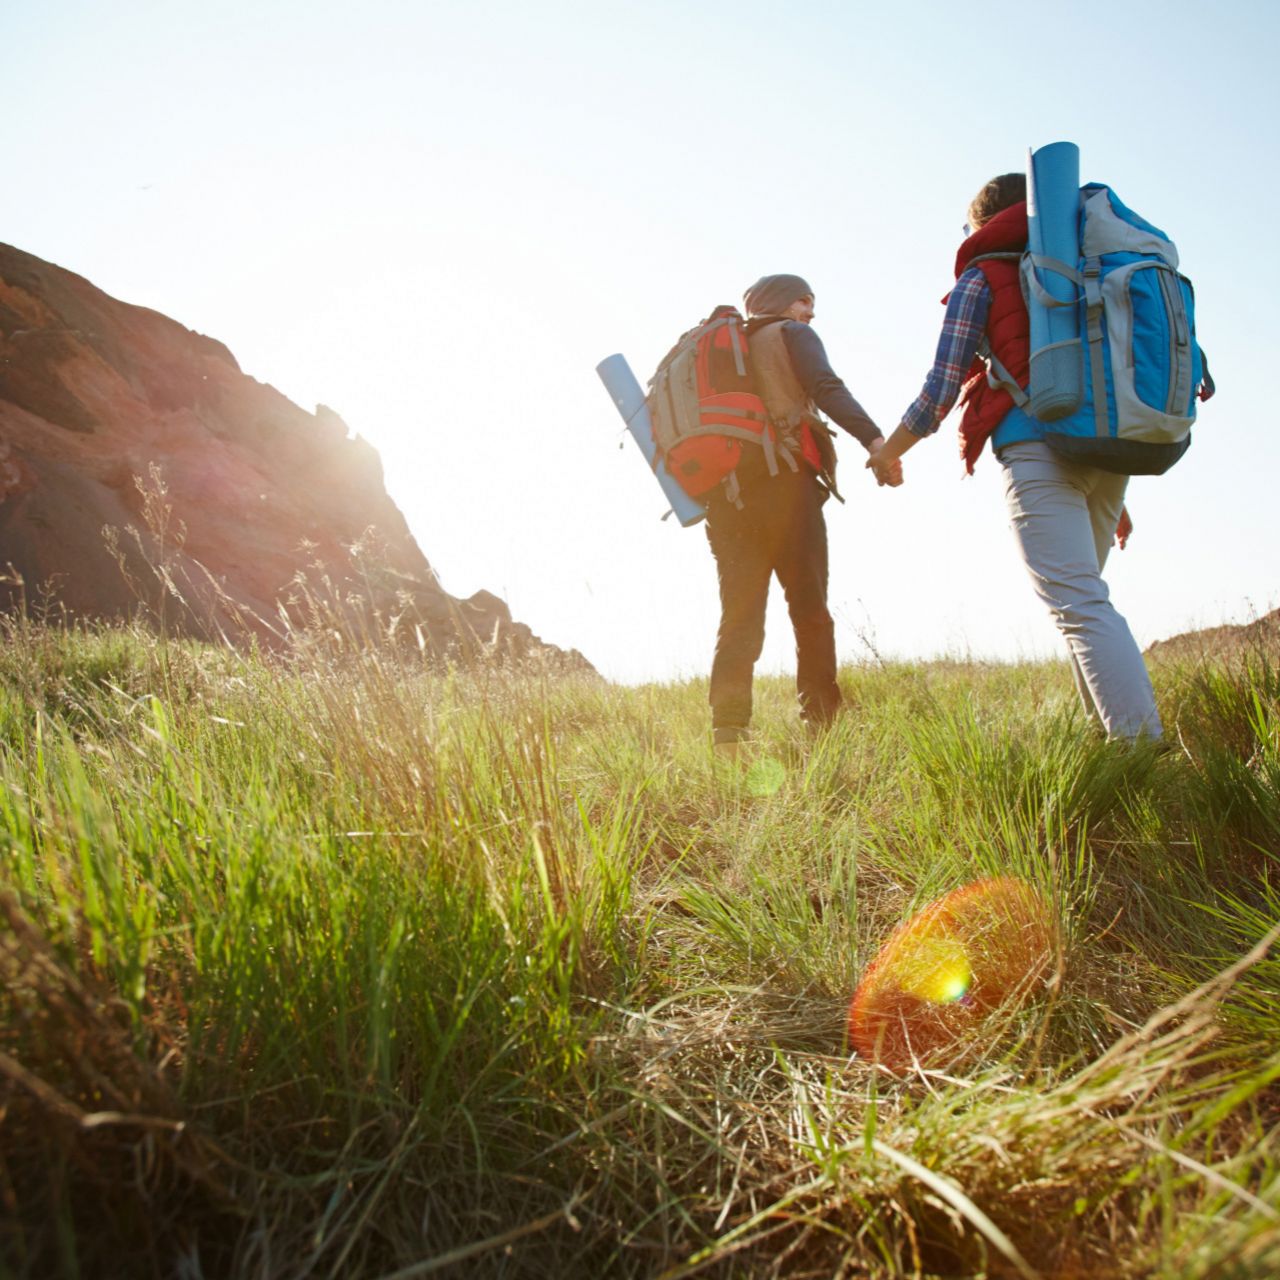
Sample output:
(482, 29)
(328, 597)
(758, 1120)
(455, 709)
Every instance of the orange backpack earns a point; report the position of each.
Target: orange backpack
(704, 407)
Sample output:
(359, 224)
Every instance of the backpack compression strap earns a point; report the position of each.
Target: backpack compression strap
(998, 377)
(1093, 332)
(1001, 379)
(732, 487)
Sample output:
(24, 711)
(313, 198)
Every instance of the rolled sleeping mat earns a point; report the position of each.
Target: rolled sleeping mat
(1052, 282)
(628, 399)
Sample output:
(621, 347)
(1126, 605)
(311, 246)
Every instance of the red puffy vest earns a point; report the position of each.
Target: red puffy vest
(1008, 327)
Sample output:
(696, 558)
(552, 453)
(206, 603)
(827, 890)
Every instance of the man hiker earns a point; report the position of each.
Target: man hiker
(774, 522)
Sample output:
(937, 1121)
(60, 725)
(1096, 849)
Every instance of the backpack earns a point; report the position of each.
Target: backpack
(705, 408)
(1127, 400)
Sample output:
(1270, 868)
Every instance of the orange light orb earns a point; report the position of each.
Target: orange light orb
(983, 947)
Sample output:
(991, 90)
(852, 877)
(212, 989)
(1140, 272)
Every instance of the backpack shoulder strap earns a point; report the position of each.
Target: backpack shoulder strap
(999, 377)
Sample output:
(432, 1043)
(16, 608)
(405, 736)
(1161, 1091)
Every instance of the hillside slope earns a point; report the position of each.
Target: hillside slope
(114, 416)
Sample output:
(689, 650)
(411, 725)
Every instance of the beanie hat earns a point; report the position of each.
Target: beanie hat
(771, 295)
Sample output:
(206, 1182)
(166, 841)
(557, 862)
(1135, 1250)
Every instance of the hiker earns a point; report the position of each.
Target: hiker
(768, 524)
(1064, 513)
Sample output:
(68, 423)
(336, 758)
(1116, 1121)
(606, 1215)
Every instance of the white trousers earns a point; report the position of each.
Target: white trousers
(1064, 516)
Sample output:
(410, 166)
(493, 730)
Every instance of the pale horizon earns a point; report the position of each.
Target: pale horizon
(437, 220)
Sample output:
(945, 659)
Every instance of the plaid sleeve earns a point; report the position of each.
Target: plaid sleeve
(962, 328)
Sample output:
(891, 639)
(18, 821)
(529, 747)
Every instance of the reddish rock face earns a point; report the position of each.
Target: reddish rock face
(116, 417)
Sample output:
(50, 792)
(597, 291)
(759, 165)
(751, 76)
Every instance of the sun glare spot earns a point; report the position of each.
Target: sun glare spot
(939, 972)
(765, 777)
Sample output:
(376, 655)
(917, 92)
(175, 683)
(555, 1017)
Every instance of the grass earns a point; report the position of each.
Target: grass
(330, 963)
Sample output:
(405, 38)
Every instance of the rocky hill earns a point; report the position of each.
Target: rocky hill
(1259, 638)
(220, 490)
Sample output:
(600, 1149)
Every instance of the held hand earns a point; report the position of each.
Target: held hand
(887, 470)
(886, 455)
(1124, 528)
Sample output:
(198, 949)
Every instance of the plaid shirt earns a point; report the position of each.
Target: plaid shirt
(962, 329)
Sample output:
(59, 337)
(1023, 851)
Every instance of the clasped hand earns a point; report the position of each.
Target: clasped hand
(887, 469)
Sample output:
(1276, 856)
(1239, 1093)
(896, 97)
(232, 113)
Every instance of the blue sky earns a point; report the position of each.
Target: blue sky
(437, 218)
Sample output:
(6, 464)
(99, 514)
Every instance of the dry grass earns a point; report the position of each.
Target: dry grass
(337, 963)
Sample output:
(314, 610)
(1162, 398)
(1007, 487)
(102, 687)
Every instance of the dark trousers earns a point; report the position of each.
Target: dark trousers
(779, 529)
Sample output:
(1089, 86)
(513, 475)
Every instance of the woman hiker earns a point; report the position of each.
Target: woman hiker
(1064, 515)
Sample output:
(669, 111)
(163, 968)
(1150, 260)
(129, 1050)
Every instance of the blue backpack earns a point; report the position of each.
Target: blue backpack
(1129, 402)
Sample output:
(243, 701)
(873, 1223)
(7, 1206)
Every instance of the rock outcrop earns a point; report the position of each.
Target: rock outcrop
(220, 491)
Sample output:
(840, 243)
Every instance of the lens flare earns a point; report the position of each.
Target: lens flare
(982, 948)
(938, 970)
(765, 777)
